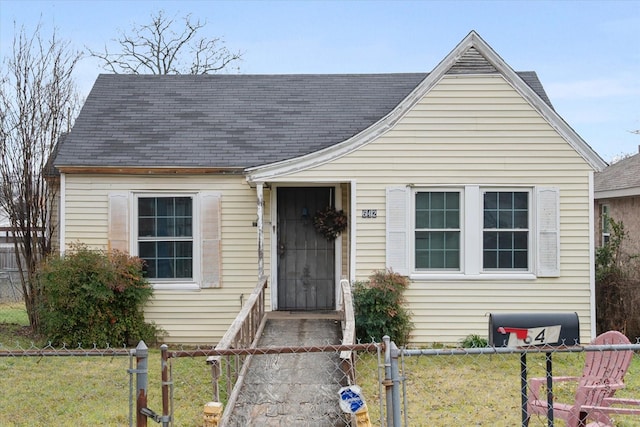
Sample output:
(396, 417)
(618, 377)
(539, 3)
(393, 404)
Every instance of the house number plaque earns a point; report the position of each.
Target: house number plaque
(369, 213)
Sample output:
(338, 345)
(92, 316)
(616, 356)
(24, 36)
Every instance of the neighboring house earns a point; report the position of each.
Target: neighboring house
(617, 196)
(465, 179)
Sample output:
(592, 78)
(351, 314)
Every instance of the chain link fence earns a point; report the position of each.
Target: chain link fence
(436, 386)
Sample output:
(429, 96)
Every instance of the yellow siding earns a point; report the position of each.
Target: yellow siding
(193, 317)
(472, 130)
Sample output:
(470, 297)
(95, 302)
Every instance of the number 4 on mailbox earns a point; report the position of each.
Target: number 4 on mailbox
(531, 336)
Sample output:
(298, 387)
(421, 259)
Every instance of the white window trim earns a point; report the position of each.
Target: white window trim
(171, 284)
(472, 227)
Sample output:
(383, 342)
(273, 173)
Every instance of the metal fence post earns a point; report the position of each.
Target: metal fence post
(166, 382)
(387, 382)
(142, 376)
(395, 389)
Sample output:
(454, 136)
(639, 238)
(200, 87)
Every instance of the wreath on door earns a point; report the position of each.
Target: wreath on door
(330, 222)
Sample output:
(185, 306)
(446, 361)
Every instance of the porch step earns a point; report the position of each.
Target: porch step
(293, 389)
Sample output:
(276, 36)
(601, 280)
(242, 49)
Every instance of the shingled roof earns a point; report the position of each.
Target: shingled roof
(228, 121)
(620, 179)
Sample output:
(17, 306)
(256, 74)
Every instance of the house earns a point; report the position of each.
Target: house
(465, 179)
(617, 196)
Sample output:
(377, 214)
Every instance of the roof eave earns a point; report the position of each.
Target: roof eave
(615, 194)
(148, 170)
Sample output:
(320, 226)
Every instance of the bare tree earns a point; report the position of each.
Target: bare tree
(38, 99)
(158, 48)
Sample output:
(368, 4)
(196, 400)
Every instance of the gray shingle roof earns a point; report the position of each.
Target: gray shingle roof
(622, 175)
(228, 121)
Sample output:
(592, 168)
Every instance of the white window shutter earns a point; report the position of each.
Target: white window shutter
(210, 231)
(548, 230)
(397, 230)
(118, 222)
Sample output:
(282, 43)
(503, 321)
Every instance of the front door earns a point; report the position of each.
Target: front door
(306, 260)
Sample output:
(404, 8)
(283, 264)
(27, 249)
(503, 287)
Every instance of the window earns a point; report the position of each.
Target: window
(505, 235)
(437, 230)
(606, 224)
(165, 237)
(468, 231)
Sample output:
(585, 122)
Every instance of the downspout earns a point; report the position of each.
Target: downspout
(592, 263)
(352, 233)
(260, 223)
(62, 212)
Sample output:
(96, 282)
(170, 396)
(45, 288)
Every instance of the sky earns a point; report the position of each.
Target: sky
(586, 53)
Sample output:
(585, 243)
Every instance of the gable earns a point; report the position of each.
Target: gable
(472, 57)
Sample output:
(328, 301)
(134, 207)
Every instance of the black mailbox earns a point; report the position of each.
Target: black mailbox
(522, 329)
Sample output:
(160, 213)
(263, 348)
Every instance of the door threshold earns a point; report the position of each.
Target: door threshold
(318, 314)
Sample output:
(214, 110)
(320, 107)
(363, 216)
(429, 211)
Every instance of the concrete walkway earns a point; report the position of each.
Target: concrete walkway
(293, 389)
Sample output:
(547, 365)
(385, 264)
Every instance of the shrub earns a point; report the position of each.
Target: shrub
(92, 297)
(474, 341)
(617, 286)
(379, 309)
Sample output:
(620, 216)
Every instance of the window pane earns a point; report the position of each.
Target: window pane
(422, 201)
(183, 206)
(452, 240)
(165, 269)
(520, 219)
(505, 219)
(436, 259)
(422, 219)
(437, 200)
(521, 200)
(520, 240)
(452, 219)
(146, 206)
(520, 259)
(490, 240)
(452, 260)
(491, 200)
(505, 240)
(164, 227)
(504, 259)
(437, 219)
(184, 268)
(453, 200)
(505, 201)
(437, 240)
(422, 240)
(490, 259)
(490, 219)
(147, 249)
(165, 206)
(146, 227)
(165, 249)
(422, 260)
(184, 250)
(183, 227)
(149, 268)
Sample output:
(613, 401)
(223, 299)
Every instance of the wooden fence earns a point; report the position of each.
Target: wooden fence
(8, 258)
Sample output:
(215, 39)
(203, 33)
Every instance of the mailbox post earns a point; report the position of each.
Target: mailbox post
(534, 329)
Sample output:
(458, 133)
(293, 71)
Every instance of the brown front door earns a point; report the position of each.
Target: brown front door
(306, 260)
